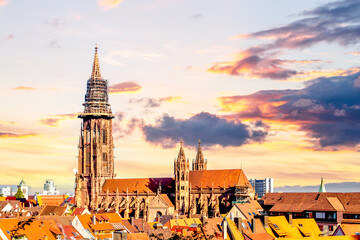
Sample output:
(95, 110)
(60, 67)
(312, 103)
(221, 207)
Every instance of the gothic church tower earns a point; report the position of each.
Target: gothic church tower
(199, 163)
(181, 172)
(96, 159)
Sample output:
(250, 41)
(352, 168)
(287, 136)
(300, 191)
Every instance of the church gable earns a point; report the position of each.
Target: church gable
(159, 202)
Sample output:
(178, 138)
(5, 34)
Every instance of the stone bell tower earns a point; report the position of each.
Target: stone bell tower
(96, 159)
(182, 190)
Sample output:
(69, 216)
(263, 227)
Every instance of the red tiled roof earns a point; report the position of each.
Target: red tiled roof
(53, 210)
(78, 211)
(167, 200)
(138, 236)
(141, 185)
(71, 232)
(218, 178)
(53, 200)
(299, 202)
(129, 227)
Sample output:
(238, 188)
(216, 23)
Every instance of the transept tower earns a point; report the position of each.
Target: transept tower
(200, 163)
(181, 172)
(95, 159)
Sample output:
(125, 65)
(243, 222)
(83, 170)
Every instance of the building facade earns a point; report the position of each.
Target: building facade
(6, 191)
(262, 186)
(49, 188)
(196, 191)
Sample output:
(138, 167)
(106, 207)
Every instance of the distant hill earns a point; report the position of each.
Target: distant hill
(330, 187)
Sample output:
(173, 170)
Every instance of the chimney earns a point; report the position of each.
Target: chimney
(231, 216)
(290, 218)
(266, 221)
(132, 221)
(239, 224)
(93, 219)
(204, 219)
(253, 225)
(224, 229)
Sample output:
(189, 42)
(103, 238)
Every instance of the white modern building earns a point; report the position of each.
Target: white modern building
(262, 186)
(49, 188)
(6, 191)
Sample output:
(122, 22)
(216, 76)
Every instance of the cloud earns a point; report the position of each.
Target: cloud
(109, 4)
(336, 22)
(254, 64)
(330, 187)
(123, 128)
(53, 44)
(76, 15)
(54, 23)
(211, 129)
(10, 37)
(25, 88)
(197, 16)
(3, 3)
(125, 87)
(54, 120)
(7, 123)
(327, 109)
(153, 102)
(16, 135)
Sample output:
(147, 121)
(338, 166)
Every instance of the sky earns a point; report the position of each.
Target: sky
(272, 87)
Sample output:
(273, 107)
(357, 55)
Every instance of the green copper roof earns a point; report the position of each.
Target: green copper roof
(22, 183)
(322, 186)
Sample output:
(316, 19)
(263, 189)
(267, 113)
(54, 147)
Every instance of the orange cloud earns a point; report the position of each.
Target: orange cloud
(125, 87)
(7, 122)
(54, 120)
(24, 88)
(15, 135)
(3, 3)
(254, 63)
(171, 99)
(109, 4)
(305, 76)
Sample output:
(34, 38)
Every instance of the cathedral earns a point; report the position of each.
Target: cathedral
(188, 192)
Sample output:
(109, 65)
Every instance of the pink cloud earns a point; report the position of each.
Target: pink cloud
(125, 87)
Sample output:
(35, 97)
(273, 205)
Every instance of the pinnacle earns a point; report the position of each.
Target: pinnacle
(96, 74)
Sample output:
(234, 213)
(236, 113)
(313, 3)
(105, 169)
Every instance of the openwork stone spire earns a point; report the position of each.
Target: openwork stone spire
(199, 163)
(96, 97)
(199, 155)
(181, 156)
(96, 74)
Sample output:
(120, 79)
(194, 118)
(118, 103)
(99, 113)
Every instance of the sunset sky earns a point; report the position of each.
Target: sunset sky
(269, 86)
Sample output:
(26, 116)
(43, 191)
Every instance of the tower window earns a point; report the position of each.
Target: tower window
(104, 136)
(87, 164)
(87, 136)
(105, 162)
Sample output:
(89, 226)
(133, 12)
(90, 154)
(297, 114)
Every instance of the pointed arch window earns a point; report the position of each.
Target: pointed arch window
(105, 162)
(87, 133)
(105, 136)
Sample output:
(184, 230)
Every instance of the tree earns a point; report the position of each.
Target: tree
(19, 194)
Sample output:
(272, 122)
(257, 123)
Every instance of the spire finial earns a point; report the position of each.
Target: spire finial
(181, 143)
(95, 74)
(199, 143)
